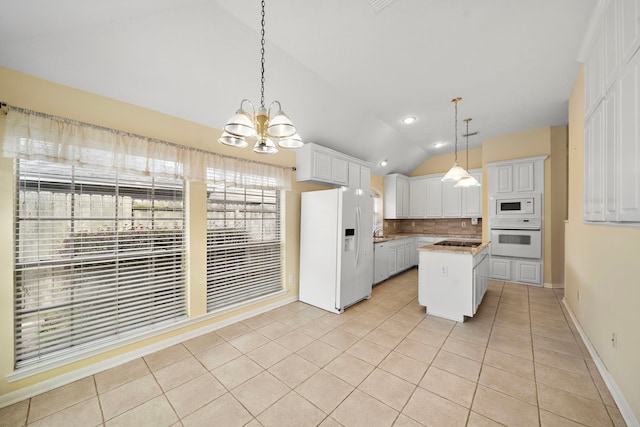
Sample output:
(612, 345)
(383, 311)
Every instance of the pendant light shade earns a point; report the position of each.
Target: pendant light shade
(456, 172)
(467, 181)
(267, 128)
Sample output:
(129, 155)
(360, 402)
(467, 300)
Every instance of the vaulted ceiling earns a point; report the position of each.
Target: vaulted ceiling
(344, 71)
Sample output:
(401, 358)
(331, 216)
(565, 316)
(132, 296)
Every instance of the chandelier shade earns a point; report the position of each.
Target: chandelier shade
(233, 140)
(265, 146)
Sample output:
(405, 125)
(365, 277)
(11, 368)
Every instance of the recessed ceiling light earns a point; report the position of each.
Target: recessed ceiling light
(408, 120)
(383, 163)
(439, 144)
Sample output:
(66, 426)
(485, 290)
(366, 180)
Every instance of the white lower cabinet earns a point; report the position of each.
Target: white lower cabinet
(516, 270)
(500, 269)
(381, 262)
(393, 257)
(527, 272)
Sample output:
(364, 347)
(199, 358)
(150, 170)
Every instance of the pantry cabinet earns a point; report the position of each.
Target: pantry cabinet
(629, 28)
(612, 117)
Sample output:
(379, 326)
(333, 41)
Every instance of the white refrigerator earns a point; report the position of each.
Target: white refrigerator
(336, 248)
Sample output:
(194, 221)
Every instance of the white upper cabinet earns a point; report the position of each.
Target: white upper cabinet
(428, 197)
(321, 168)
(396, 196)
(323, 165)
(418, 197)
(472, 198)
(359, 176)
(630, 28)
(518, 176)
(339, 171)
(504, 179)
(434, 196)
(451, 200)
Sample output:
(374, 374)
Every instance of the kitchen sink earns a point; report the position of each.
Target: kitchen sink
(458, 243)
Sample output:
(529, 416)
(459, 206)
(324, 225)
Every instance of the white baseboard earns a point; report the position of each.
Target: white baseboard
(52, 383)
(615, 391)
(554, 285)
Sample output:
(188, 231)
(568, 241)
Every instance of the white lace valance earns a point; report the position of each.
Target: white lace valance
(36, 136)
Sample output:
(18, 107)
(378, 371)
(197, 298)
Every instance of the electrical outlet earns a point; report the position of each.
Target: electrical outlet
(614, 340)
(413, 223)
(291, 278)
(444, 272)
(464, 224)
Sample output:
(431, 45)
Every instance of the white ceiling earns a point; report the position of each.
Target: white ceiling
(343, 72)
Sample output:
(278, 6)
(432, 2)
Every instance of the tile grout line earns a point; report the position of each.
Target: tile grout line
(475, 390)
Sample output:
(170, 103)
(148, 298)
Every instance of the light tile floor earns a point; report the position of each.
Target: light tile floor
(383, 362)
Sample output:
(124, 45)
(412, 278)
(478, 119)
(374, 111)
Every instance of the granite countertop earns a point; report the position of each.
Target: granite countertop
(456, 249)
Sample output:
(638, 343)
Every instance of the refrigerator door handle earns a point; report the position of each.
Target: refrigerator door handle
(357, 235)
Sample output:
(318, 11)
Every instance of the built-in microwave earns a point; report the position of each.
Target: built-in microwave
(518, 206)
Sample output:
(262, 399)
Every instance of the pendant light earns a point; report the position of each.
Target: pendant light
(467, 181)
(456, 172)
(266, 127)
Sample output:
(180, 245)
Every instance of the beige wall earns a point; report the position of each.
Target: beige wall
(40, 95)
(443, 162)
(602, 267)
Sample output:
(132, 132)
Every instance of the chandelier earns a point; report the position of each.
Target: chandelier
(456, 172)
(265, 126)
(467, 181)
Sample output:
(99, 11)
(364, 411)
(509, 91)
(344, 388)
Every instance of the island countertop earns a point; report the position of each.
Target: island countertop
(456, 249)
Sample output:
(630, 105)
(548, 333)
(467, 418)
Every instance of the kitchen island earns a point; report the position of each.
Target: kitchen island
(453, 277)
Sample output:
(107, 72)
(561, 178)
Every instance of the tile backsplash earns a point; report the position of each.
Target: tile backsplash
(439, 227)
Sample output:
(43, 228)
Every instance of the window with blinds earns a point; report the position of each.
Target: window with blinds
(99, 257)
(243, 245)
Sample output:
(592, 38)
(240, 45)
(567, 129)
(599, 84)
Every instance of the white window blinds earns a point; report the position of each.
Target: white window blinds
(99, 256)
(243, 245)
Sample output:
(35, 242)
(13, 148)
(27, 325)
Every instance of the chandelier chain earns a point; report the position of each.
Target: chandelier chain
(262, 59)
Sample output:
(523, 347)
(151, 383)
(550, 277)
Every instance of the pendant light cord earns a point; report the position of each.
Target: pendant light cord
(262, 59)
(467, 121)
(455, 125)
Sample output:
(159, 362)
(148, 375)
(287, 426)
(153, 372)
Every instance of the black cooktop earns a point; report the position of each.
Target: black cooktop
(459, 243)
